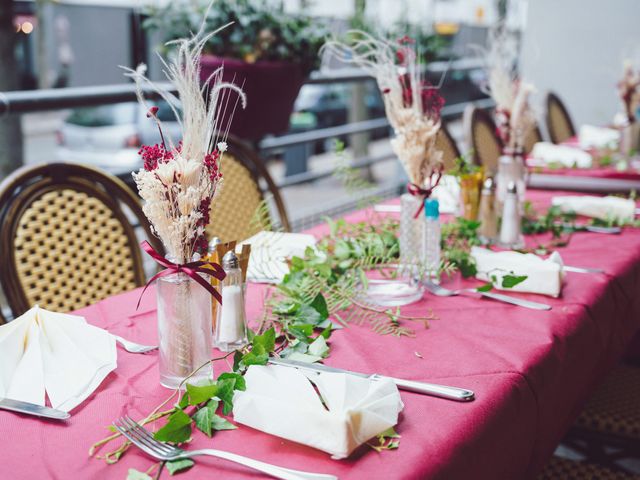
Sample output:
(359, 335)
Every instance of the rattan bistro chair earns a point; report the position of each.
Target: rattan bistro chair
(559, 124)
(482, 138)
(66, 240)
(241, 209)
(564, 469)
(533, 136)
(447, 145)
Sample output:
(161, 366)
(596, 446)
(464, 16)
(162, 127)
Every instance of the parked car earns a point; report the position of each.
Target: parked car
(110, 136)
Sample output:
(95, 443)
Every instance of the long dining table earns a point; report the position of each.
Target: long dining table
(530, 370)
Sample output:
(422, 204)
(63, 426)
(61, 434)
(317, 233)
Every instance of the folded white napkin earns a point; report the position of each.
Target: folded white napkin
(544, 276)
(447, 192)
(269, 251)
(598, 137)
(604, 208)
(53, 352)
(282, 401)
(546, 153)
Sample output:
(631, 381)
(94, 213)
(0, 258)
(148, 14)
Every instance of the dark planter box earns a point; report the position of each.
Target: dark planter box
(271, 88)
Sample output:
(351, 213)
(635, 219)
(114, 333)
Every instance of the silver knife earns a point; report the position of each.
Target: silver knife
(568, 268)
(513, 301)
(32, 409)
(442, 391)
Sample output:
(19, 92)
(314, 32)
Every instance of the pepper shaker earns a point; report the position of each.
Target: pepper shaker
(231, 324)
(511, 229)
(488, 215)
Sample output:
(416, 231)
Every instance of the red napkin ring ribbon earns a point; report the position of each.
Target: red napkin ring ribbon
(425, 193)
(192, 269)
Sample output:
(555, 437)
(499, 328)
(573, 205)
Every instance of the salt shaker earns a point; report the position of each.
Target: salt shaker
(511, 230)
(488, 215)
(231, 319)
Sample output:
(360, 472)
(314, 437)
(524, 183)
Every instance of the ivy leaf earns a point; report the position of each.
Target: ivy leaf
(239, 382)
(225, 393)
(510, 281)
(204, 417)
(179, 465)
(326, 333)
(485, 288)
(134, 474)
(320, 305)
(319, 347)
(201, 393)
(308, 314)
(220, 423)
(253, 358)
(303, 357)
(267, 340)
(301, 332)
(177, 429)
(237, 360)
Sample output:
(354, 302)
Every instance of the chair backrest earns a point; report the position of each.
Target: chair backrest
(559, 124)
(533, 136)
(66, 239)
(482, 138)
(447, 145)
(239, 209)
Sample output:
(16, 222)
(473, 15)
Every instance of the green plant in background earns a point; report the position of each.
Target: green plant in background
(261, 31)
(458, 237)
(464, 166)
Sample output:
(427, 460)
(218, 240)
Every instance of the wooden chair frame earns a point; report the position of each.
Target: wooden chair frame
(22, 187)
(444, 131)
(550, 99)
(472, 116)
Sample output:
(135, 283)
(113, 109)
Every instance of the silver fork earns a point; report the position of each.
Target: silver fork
(142, 439)
(445, 292)
(133, 347)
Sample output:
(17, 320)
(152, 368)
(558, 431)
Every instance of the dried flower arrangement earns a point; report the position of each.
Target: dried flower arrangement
(179, 182)
(412, 106)
(629, 89)
(514, 117)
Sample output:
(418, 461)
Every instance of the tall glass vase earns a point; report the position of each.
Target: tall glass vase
(410, 232)
(184, 329)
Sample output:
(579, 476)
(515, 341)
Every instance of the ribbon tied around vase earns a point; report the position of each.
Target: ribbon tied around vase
(191, 269)
(425, 193)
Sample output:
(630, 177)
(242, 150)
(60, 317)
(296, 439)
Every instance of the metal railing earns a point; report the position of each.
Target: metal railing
(19, 102)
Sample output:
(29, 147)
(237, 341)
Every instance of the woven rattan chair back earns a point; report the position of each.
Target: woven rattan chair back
(533, 136)
(447, 145)
(241, 208)
(66, 239)
(483, 140)
(559, 124)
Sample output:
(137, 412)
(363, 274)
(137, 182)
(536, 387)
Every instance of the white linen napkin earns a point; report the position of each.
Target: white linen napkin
(544, 276)
(53, 352)
(604, 208)
(546, 153)
(269, 251)
(282, 401)
(598, 137)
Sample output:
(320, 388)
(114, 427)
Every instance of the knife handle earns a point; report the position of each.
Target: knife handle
(435, 390)
(516, 301)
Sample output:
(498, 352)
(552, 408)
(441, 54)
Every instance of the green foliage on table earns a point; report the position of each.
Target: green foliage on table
(554, 221)
(177, 466)
(463, 165)
(387, 440)
(261, 30)
(458, 237)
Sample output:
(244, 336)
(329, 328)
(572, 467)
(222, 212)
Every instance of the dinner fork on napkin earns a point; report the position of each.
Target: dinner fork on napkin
(56, 353)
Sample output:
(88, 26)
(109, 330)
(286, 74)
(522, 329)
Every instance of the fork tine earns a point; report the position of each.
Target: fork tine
(140, 440)
(125, 432)
(144, 433)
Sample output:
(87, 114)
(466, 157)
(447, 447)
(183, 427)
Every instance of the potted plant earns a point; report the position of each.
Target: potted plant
(268, 52)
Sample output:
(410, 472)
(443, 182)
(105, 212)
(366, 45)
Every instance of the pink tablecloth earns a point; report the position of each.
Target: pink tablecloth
(531, 371)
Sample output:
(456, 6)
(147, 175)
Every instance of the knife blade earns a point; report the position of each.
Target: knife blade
(32, 409)
(568, 268)
(435, 390)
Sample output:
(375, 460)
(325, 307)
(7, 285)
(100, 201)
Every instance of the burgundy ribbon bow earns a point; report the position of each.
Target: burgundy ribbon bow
(425, 193)
(191, 269)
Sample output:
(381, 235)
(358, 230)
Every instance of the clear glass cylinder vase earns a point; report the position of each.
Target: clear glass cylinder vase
(410, 237)
(184, 330)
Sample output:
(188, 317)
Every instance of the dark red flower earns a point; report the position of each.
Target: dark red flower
(201, 245)
(153, 155)
(386, 90)
(152, 112)
(211, 164)
(432, 102)
(204, 207)
(406, 40)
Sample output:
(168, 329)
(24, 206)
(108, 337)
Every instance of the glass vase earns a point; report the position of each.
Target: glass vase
(410, 237)
(184, 330)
